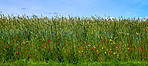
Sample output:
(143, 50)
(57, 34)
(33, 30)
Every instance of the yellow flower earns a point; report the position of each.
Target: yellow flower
(85, 42)
(117, 55)
(105, 52)
(128, 48)
(79, 51)
(114, 53)
(111, 43)
(102, 47)
(82, 51)
(97, 52)
(110, 39)
(94, 47)
(110, 49)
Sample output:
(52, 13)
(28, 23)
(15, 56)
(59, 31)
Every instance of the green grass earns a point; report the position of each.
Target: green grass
(72, 40)
(28, 63)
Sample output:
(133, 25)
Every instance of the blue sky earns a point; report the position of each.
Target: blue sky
(86, 8)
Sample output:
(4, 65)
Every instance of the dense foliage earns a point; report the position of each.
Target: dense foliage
(73, 39)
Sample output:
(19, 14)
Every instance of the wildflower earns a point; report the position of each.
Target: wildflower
(78, 51)
(48, 48)
(107, 40)
(98, 57)
(122, 52)
(110, 39)
(89, 45)
(59, 35)
(141, 48)
(75, 46)
(92, 48)
(89, 20)
(83, 45)
(93, 27)
(88, 42)
(7, 46)
(82, 51)
(16, 35)
(105, 52)
(48, 40)
(116, 46)
(17, 51)
(111, 43)
(123, 55)
(45, 38)
(85, 42)
(110, 49)
(114, 53)
(16, 38)
(129, 42)
(141, 34)
(16, 54)
(119, 43)
(110, 53)
(24, 43)
(102, 47)
(45, 45)
(131, 48)
(128, 48)
(118, 49)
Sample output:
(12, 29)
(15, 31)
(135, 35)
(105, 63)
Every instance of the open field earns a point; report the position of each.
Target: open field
(73, 40)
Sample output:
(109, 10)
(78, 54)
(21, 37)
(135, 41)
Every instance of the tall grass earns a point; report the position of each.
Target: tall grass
(72, 39)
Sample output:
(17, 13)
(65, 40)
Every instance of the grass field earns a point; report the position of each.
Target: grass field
(73, 40)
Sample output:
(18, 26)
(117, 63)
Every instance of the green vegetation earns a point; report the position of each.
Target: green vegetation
(72, 40)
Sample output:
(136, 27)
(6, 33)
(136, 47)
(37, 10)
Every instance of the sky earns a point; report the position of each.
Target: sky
(81, 8)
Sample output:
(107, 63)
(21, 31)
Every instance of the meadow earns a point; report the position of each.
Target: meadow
(72, 39)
